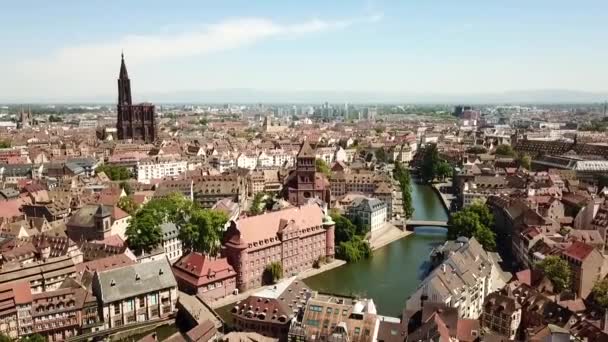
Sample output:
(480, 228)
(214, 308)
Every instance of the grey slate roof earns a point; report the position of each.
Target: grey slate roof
(135, 280)
(169, 230)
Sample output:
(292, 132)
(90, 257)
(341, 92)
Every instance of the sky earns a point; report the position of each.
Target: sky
(69, 50)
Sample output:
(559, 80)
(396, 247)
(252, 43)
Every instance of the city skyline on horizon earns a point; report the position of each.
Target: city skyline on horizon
(367, 51)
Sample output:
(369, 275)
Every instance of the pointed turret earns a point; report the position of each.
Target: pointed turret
(306, 151)
(123, 68)
(124, 84)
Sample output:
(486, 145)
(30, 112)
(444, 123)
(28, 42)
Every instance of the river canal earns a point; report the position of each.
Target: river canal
(394, 272)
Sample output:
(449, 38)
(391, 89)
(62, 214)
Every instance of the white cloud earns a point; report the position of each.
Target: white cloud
(83, 69)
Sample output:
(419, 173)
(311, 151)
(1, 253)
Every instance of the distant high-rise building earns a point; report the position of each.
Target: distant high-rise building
(136, 122)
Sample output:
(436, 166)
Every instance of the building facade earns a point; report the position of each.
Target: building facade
(305, 183)
(136, 122)
(136, 293)
(159, 167)
(294, 237)
(212, 278)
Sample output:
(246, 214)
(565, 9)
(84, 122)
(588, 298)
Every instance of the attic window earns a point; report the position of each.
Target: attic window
(160, 271)
(112, 282)
(137, 277)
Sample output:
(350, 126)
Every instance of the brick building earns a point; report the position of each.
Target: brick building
(212, 278)
(294, 237)
(305, 183)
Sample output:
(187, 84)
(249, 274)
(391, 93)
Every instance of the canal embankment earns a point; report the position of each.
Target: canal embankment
(386, 235)
(446, 199)
(302, 275)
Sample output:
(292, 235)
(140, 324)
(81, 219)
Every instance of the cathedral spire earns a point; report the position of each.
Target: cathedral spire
(123, 68)
(124, 85)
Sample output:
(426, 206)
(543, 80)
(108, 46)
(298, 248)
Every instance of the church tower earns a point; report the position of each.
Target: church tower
(305, 167)
(135, 122)
(124, 84)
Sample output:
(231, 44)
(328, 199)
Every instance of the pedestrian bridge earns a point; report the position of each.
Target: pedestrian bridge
(411, 224)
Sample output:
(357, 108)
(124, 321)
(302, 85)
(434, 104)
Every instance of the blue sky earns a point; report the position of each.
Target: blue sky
(71, 49)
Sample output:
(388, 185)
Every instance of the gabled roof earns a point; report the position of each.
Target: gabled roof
(306, 151)
(134, 280)
(578, 250)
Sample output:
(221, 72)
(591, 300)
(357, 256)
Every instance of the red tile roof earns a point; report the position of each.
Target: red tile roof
(256, 228)
(578, 250)
(107, 263)
(198, 269)
(118, 213)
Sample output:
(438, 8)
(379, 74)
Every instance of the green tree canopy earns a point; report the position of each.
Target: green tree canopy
(126, 187)
(55, 118)
(557, 270)
(444, 170)
(402, 175)
(476, 221)
(354, 250)
(143, 232)
(477, 149)
(322, 167)
(381, 155)
(344, 229)
(5, 338)
(273, 272)
(5, 144)
(255, 208)
(127, 204)
(199, 229)
(115, 173)
(600, 293)
(504, 150)
(525, 161)
(430, 162)
(33, 338)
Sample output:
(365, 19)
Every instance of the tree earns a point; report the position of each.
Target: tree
(4, 338)
(273, 272)
(255, 209)
(322, 167)
(477, 149)
(55, 118)
(354, 250)
(127, 204)
(504, 150)
(483, 211)
(381, 155)
(444, 170)
(344, 229)
(269, 202)
(476, 221)
(525, 161)
(5, 144)
(403, 177)
(430, 161)
(201, 229)
(33, 338)
(143, 232)
(600, 293)
(115, 173)
(126, 187)
(557, 270)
